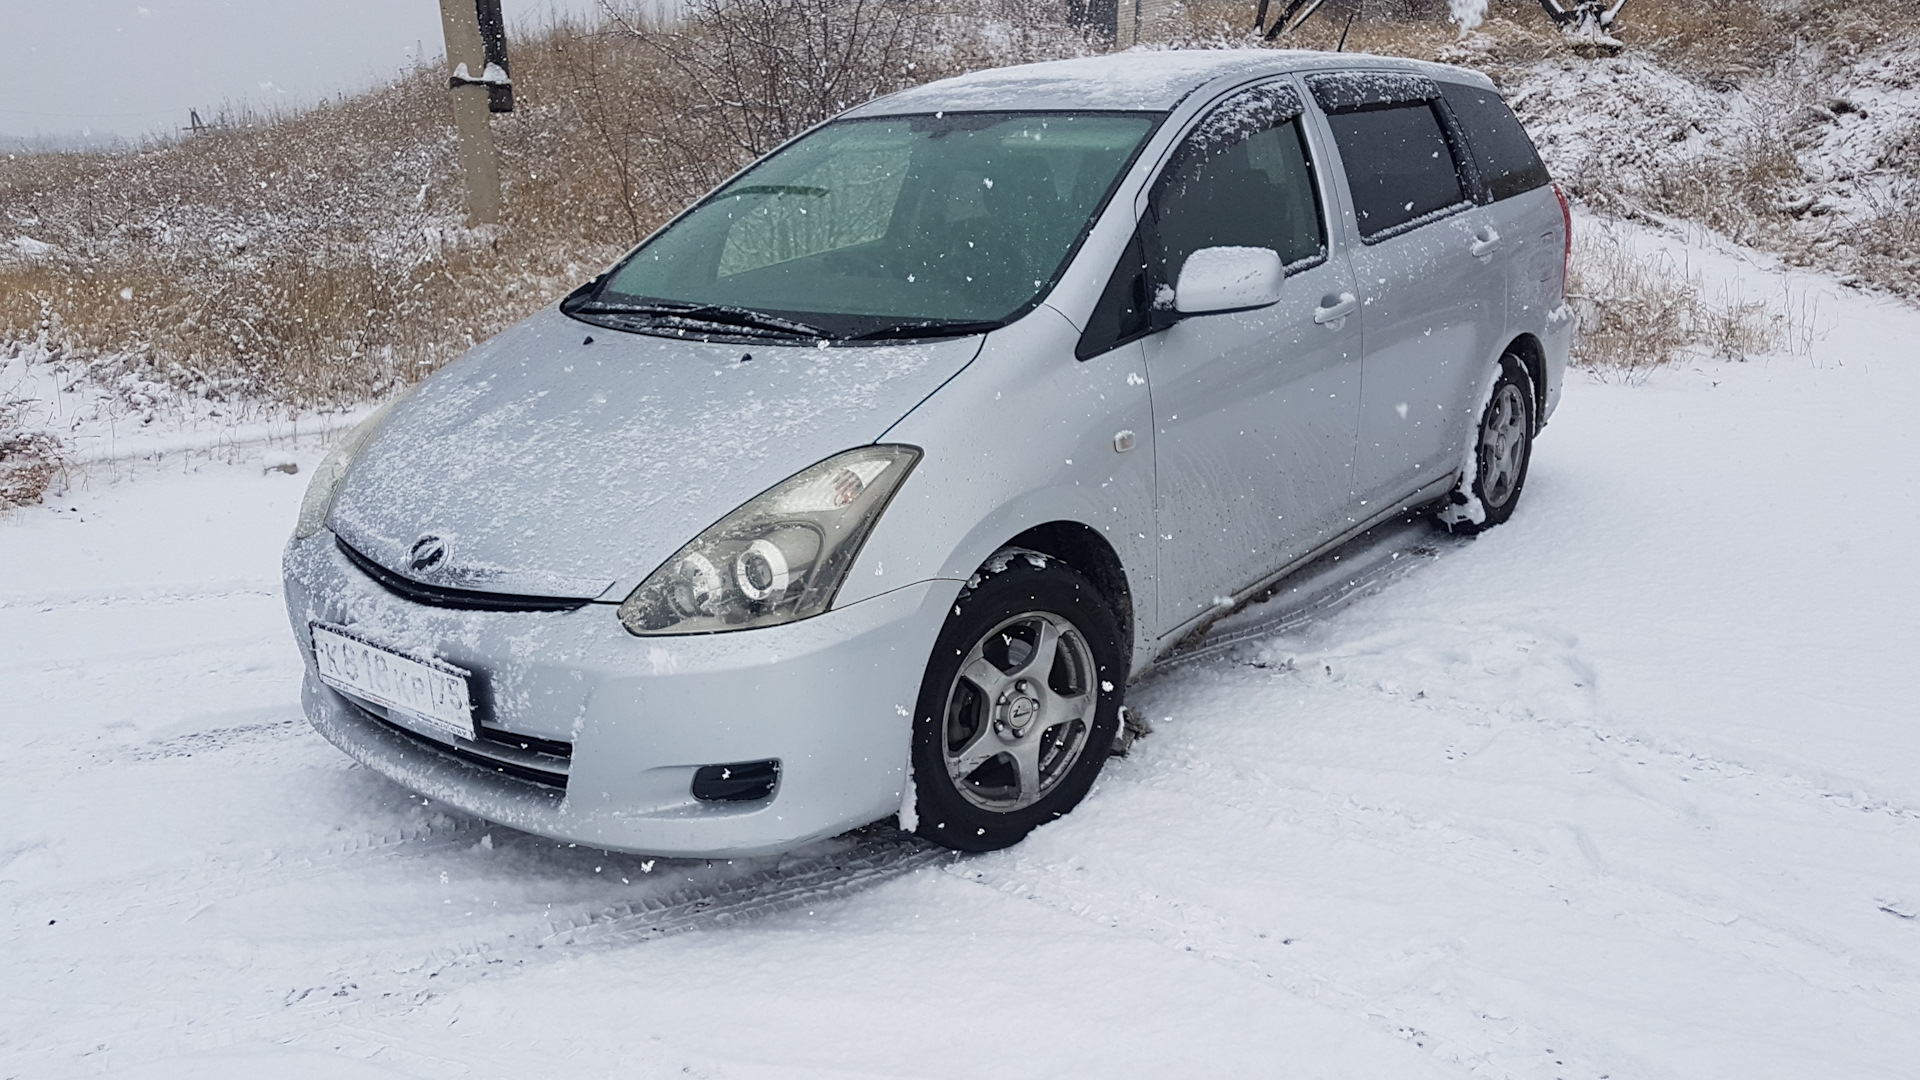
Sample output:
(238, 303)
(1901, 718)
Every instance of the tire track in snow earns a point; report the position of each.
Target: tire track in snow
(1726, 928)
(1669, 907)
(1474, 1040)
(150, 896)
(215, 740)
(103, 751)
(857, 862)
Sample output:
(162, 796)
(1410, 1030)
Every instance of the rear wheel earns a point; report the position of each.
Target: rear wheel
(1019, 704)
(1503, 448)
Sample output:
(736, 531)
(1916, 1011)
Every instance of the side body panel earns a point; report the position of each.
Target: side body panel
(1535, 292)
(1255, 421)
(1433, 315)
(1024, 436)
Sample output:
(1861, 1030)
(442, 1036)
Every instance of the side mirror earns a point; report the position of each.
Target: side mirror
(1220, 279)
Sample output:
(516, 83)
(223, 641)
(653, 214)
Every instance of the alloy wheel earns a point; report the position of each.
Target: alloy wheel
(1503, 446)
(1019, 711)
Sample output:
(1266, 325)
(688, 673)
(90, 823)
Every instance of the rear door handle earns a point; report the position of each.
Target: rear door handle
(1485, 244)
(1335, 308)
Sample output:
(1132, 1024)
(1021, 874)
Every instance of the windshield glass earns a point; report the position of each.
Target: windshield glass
(893, 226)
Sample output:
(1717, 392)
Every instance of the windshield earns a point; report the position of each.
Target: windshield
(897, 226)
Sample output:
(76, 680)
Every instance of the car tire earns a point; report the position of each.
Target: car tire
(1019, 705)
(1502, 453)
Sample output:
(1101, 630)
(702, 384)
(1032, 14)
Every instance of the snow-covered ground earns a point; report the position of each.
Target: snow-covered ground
(1629, 787)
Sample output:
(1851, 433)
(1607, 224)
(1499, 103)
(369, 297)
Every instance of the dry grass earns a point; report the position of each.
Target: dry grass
(1739, 189)
(315, 260)
(1887, 247)
(1638, 312)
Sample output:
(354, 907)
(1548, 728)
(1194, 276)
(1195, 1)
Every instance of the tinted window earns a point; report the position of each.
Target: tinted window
(1121, 314)
(1257, 191)
(1243, 178)
(1399, 165)
(1509, 165)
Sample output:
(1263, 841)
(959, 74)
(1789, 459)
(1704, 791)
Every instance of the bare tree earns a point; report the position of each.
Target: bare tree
(1291, 16)
(747, 75)
(1585, 21)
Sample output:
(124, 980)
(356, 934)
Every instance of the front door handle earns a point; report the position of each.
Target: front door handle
(1485, 243)
(1334, 308)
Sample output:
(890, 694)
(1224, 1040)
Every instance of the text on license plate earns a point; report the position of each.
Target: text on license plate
(431, 695)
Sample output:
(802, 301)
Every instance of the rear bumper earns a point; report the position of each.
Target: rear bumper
(830, 698)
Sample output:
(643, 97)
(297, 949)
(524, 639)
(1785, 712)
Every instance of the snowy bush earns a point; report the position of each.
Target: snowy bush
(29, 460)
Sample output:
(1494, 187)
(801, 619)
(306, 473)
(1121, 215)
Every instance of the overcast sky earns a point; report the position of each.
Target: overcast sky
(129, 67)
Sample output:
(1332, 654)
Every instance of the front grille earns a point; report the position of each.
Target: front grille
(464, 599)
(545, 762)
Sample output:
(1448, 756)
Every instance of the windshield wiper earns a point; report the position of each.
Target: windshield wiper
(710, 314)
(927, 328)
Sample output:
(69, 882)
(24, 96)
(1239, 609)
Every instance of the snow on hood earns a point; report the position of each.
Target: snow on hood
(550, 467)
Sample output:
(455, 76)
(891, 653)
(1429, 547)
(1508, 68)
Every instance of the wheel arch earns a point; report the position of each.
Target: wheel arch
(1083, 548)
(1533, 357)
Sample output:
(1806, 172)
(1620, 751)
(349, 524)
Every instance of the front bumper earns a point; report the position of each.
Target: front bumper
(830, 698)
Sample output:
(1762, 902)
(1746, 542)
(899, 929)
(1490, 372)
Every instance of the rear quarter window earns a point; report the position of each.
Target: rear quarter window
(1399, 165)
(1508, 163)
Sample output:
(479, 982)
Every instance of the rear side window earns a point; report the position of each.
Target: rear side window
(1509, 164)
(1400, 165)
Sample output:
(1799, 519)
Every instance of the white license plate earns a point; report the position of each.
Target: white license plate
(421, 694)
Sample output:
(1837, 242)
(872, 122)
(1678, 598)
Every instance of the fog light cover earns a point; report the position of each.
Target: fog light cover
(748, 781)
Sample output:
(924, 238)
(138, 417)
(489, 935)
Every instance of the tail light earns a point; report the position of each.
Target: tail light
(1566, 259)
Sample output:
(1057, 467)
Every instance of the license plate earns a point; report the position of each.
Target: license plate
(421, 694)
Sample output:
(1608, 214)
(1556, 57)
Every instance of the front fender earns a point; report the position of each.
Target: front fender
(1024, 436)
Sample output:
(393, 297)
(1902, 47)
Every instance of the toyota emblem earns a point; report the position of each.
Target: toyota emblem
(428, 552)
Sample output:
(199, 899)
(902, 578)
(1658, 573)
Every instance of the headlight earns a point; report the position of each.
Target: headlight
(326, 479)
(779, 558)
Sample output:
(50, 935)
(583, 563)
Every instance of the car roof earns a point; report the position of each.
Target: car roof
(1137, 79)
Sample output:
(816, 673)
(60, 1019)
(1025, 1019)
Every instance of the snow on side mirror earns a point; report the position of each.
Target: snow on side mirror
(1221, 279)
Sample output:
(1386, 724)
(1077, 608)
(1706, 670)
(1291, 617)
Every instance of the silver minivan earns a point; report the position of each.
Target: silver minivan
(865, 486)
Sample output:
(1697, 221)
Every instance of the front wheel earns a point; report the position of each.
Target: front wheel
(1502, 449)
(1019, 705)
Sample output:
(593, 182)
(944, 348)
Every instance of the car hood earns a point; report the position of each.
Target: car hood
(567, 460)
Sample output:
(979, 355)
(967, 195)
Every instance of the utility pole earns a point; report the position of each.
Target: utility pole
(470, 82)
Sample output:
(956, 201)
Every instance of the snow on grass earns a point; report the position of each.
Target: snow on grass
(69, 424)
